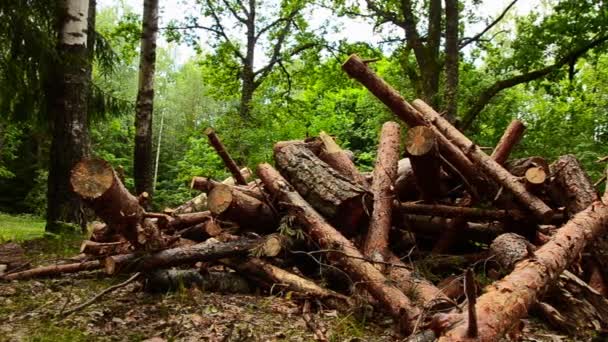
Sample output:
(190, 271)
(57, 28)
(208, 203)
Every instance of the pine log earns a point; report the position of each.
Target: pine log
(160, 281)
(501, 176)
(454, 157)
(341, 250)
(229, 204)
(506, 301)
(197, 203)
(432, 227)
(206, 251)
(331, 194)
(202, 231)
(206, 185)
(421, 146)
(105, 248)
(214, 140)
(511, 136)
(335, 157)
(97, 183)
(375, 245)
(314, 144)
(405, 184)
(572, 186)
(468, 213)
(53, 270)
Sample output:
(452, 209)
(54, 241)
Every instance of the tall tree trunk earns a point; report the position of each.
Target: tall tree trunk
(68, 110)
(451, 59)
(248, 75)
(142, 167)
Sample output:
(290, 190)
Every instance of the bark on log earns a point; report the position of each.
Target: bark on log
(161, 281)
(335, 157)
(571, 185)
(105, 248)
(421, 146)
(228, 203)
(101, 232)
(507, 142)
(375, 245)
(97, 183)
(331, 194)
(198, 203)
(468, 213)
(201, 231)
(206, 185)
(490, 167)
(214, 140)
(206, 251)
(454, 157)
(314, 144)
(506, 301)
(342, 250)
(432, 227)
(53, 270)
(405, 184)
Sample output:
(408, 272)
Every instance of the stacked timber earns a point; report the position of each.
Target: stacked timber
(440, 205)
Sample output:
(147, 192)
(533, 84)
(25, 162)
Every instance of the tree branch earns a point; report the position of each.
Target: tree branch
(277, 58)
(288, 18)
(498, 86)
(235, 13)
(220, 31)
(476, 37)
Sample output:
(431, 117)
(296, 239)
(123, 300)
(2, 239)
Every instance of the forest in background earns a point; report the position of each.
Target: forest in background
(547, 68)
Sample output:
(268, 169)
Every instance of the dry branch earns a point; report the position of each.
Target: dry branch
(53, 270)
(507, 142)
(214, 140)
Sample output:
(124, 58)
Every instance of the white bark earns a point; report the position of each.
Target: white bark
(74, 31)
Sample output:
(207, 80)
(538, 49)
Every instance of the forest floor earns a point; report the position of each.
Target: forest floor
(31, 310)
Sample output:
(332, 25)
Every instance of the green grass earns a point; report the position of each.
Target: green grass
(20, 228)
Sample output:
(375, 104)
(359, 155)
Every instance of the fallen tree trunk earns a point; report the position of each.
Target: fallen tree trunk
(160, 281)
(468, 213)
(335, 157)
(375, 245)
(490, 167)
(506, 301)
(571, 186)
(432, 226)
(206, 185)
(331, 194)
(206, 251)
(53, 270)
(341, 250)
(511, 136)
(229, 204)
(421, 146)
(214, 140)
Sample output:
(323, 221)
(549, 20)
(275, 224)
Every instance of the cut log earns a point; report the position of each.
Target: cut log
(375, 245)
(101, 232)
(161, 281)
(206, 251)
(432, 227)
(454, 157)
(314, 144)
(571, 186)
(229, 204)
(276, 279)
(490, 167)
(97, 183)
(519, 167)
(214, 140)
(421, 146)
(333, 195)
(405, 184)
(105, 248)
(202, 231)
(198, 203)
(468, 213)
(53, 270)
(206, 185)
(341, 250)
(506, 301)
(507, 142)
(335, 157)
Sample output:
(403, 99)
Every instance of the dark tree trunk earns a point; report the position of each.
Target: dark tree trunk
(248, 84)
(451, 59)
(143, 165)
(68, 111)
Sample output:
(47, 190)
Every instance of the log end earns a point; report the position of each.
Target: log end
(351, 63)
(200, 183)
(91, 178)
(420, 140)
(536, 175)
(109, 265)
(209, 131)
(219, 199)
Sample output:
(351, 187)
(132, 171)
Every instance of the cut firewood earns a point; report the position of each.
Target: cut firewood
(421, 146)
(336, 197)
(335, 157)
(230, 204)
(97, 183)
(506, 301)
(341, 250)
(206, 251)
(214, 140)
(490, 167)
(507, 142)
(105, 248)
(53, 270)
(375, 245)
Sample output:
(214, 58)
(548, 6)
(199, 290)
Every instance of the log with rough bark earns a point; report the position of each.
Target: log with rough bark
(421, 146)
(230, 164)
(506, 301)
(468, 213)
(93, 248)
(202, 231)
(455, 159)
(432, 227)
(53, 270)
(375, 245)
(341, 250)
(206, 185)
(489, 166)
(336, 197)
(507, 142)
(405, 184)
(229, 204)
(571, 186)
(335, 157)
(97, 183)
(206, 251)
(160, 281)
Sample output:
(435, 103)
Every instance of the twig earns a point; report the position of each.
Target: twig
(100, 294)
(600, 181)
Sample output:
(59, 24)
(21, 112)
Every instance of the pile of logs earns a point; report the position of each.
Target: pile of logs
(417, 238)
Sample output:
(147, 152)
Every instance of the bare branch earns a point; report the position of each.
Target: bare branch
(288, 18)
(220, 31)
(476, 37)
(235, 13)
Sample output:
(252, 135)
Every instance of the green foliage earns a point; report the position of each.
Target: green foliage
(20, 228)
